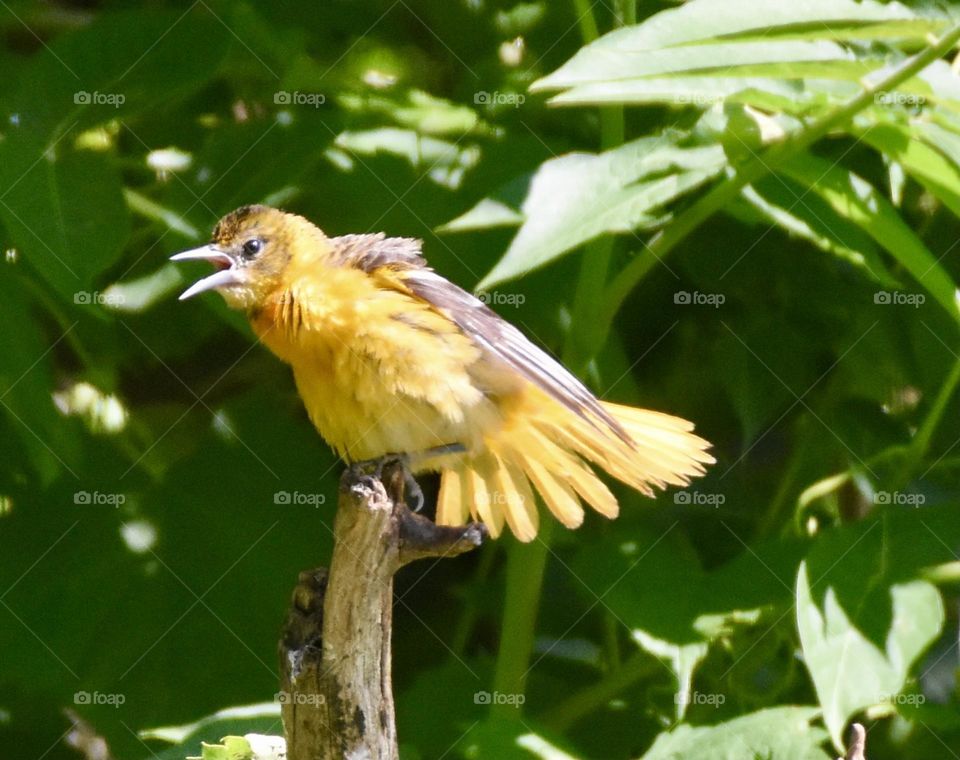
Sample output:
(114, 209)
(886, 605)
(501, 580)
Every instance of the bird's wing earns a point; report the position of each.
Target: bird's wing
(499, 338)
(371, 252)
(402, 266)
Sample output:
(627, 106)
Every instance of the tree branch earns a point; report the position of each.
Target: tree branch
(336, 693)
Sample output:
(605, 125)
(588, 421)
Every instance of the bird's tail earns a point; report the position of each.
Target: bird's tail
(552, 452)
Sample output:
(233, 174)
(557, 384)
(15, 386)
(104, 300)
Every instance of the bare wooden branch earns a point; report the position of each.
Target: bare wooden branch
(336, 693)
(858, 743)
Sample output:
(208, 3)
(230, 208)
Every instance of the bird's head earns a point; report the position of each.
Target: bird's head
(252, 249)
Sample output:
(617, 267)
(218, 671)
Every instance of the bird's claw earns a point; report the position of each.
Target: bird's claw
(411, 488)
(375, 467)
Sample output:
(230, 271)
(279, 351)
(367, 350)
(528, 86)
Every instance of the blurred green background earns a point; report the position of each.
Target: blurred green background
(701, 223)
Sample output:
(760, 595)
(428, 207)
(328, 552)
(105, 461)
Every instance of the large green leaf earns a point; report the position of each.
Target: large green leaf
(780, 733)
(575, 198)
(725, 57)
(864, 612)
(680, 35)
(790, 56)
(848, 670)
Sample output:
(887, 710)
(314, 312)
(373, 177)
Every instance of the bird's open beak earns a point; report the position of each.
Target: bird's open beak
(227, 275)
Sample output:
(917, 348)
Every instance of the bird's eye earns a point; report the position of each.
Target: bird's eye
(252, 247)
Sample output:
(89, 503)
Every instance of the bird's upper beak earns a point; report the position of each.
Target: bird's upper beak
(227, 273)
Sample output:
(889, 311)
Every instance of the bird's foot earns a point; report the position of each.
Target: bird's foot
(411, 494)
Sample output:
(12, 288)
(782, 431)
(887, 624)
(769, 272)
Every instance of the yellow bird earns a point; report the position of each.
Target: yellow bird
(391, 359)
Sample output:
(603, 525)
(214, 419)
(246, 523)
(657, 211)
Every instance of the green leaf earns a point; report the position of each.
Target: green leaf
(419, 111)
(67, 214)
(790, 95)
(64, 207)
(27, 385)
(864, 615)
(512, 740)
(814, 221)
(760, 391)
(937, 83)
(249, 747)
(924, 162)
(856, 199)
(502, 209)
(725, 58)
(223, 722)
(575, 198)
(232, 748)
(678, 91)
(682, 35)
(654, 586)
(487, 214)
(445, 161)
(779, 733)
(944, 140)
(143, 292)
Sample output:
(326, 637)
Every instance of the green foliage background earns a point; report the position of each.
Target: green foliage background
(743, 213)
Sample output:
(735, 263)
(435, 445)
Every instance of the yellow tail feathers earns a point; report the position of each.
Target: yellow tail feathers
(552, 455)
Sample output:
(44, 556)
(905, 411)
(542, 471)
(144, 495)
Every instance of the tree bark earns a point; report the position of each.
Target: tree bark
(335, 687)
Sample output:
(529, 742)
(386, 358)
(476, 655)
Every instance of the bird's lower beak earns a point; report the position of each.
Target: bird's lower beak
(227, 275)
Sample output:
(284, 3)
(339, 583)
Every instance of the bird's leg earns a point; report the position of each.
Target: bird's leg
(436, 451)
(411, 488)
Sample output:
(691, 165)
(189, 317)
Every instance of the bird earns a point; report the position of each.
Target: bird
(393, 361)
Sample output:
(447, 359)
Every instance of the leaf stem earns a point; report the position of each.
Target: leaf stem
(585, 20)
(525, 568)
(597, 695)
(468, 618)
(921, 441)
(526, 562)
